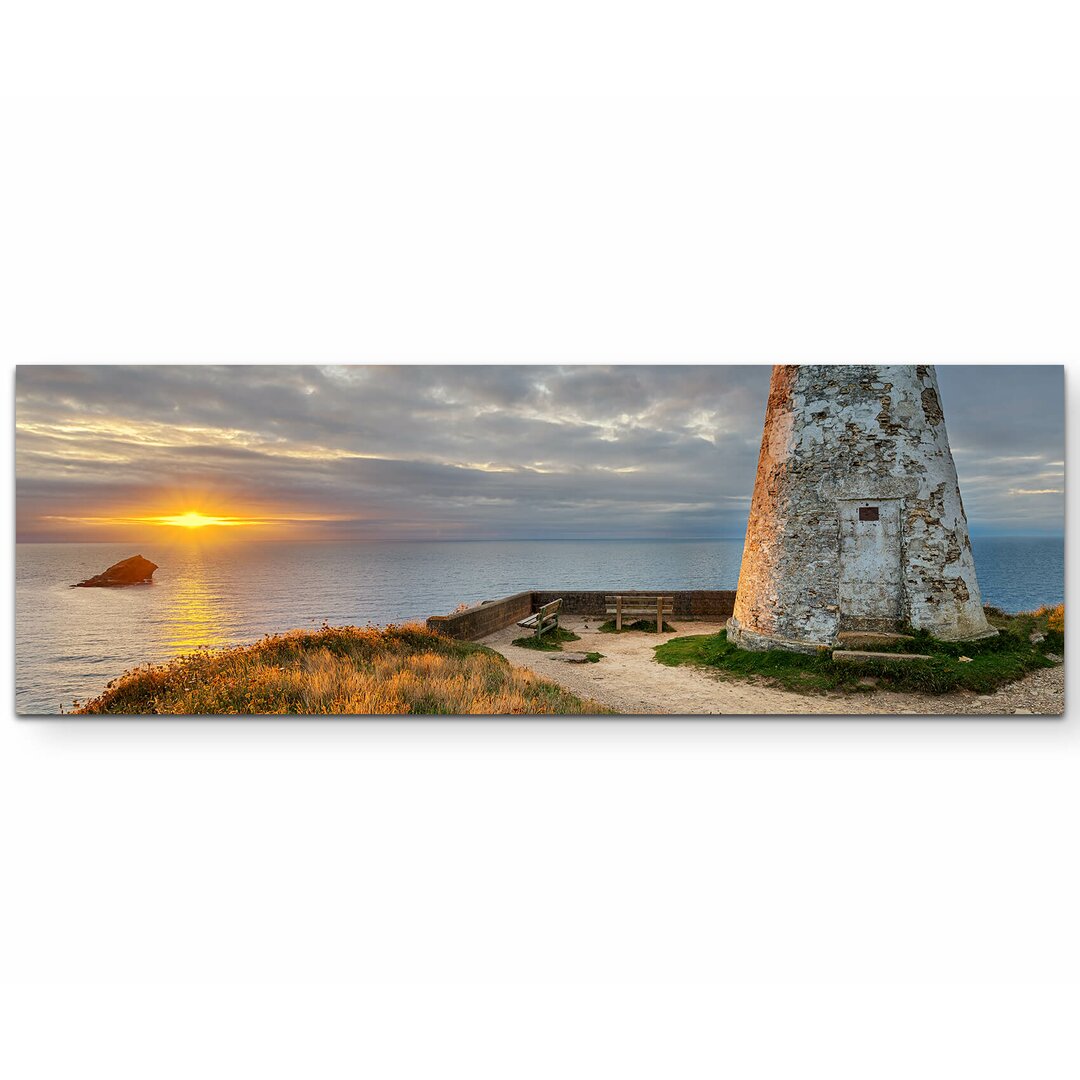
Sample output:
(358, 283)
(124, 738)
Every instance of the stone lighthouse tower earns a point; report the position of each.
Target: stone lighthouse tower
(856, 523)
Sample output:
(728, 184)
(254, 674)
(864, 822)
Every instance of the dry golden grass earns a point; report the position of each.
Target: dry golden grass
(1055, 617)
(1048, 620)
(339, 670)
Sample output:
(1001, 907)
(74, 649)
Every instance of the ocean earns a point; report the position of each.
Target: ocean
(70, 642)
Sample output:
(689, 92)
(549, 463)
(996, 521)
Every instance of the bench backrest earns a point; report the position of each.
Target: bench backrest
(636, 605)
(547, 616)
(549, 609)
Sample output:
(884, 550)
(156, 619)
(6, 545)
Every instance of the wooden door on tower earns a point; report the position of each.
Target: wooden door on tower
(871, 580)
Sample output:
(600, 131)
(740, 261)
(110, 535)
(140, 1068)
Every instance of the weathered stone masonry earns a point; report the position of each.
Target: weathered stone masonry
(856, 521)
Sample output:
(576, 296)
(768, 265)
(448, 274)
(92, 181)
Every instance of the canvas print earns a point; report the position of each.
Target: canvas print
(459, 540)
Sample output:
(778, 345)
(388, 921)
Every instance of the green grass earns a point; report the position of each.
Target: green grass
(339, 670)
(551, 641)
(594, 657)
(641, 624)
(993, 661)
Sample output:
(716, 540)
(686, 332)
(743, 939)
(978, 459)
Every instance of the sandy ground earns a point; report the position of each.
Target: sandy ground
(629, 680)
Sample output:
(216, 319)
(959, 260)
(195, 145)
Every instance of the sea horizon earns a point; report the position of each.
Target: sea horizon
(211, 592)
(510, 539)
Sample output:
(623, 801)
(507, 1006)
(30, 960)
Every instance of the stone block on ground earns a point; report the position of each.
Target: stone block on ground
(868, 639)
(857, 656)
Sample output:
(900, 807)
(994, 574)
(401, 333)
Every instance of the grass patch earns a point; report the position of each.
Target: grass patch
(339, 670)
(594, 657)
(1047, 621)
(552, 640)
(993, 662)
(641, 624)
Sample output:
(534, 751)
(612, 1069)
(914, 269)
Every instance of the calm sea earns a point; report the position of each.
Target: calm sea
(70, 642)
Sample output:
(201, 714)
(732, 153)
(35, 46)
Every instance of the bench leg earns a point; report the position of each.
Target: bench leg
(659, 615)
(618, 612)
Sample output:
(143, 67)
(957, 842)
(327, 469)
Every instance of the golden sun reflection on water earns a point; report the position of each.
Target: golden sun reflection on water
(194, 618)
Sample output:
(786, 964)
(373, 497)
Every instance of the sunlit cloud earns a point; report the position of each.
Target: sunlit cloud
(460, 452)
(190, 519)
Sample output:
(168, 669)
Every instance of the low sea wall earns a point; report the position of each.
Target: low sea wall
(689, 603)
(482, 619)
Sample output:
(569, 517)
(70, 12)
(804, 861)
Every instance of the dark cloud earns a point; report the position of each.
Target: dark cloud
(473, 451)
(1007, 431)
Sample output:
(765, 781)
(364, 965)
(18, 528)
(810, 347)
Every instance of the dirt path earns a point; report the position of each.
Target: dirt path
(629, 680)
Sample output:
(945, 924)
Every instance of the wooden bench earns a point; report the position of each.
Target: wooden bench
(640, 607)
(543, 619)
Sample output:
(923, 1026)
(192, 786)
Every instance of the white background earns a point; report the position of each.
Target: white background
(569, 182)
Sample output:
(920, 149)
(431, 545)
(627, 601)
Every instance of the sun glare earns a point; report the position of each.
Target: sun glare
(194, 522)
(192, 519)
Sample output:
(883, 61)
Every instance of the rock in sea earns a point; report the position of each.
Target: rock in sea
(133, 571)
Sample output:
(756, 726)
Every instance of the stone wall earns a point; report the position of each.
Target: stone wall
(483, 619)
(689, 603)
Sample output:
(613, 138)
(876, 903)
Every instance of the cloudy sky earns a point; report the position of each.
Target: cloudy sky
(106, 453)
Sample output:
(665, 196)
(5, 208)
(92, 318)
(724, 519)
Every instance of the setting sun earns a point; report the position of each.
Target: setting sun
(192, 519)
